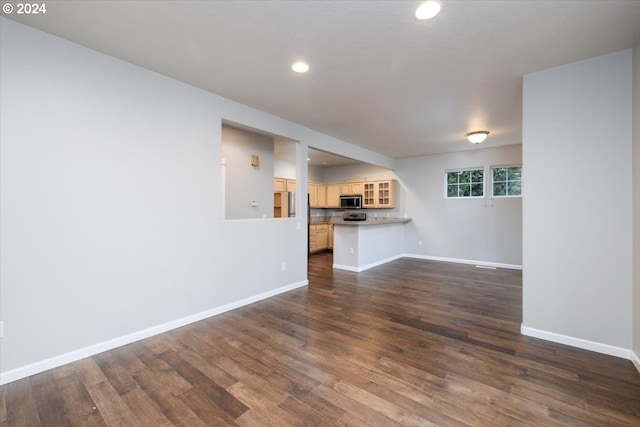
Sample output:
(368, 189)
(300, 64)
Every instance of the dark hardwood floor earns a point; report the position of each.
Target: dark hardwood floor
(412, 342)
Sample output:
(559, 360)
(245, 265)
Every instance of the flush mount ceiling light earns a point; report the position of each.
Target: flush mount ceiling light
(300, 67)
(428, 9)
(478, 136)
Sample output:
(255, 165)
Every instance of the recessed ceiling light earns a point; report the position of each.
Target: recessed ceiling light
(428, 9)
(300, 67)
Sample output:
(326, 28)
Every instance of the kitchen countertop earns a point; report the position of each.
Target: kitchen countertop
(372, 221)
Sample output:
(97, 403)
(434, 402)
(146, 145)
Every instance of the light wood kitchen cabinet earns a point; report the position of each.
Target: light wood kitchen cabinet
(318, 237)
(357, 187)
(280, 205)
(380, 194)
(313, 233)
(279, 185)
(369, 195)
(317, 194)
(312, 189)
(387, 193)
(348, 188)
(283, 184)
(322, 237)
(333, 195)
(322, 195)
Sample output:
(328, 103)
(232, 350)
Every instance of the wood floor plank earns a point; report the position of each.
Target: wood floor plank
(206, 408)
(411, 342)
(265, 407)
(172, 407)
(21, 406)
(81, 408)
(227, 402)
(354, 408)
(49, 401)
(252, 419)
(3, 407)
(113, 409)
(145, 408)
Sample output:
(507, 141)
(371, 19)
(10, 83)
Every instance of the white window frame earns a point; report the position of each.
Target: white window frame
(491, 168)
(484, 182)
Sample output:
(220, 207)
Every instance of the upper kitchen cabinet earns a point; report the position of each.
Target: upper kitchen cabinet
(347, 188)
(317, 194)
(279, 185)
(312, 189)
(380, 194)
(333, 195)
(284, 185)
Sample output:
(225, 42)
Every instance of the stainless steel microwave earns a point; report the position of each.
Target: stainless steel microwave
(352, 201)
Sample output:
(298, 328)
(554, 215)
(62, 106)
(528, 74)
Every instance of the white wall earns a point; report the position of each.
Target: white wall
(577, 242)
(357, 171)
(285, 158)
(111, 217)
(316, 173)
(284, 169)
(636, 204)
(245, 183)
(485, 230)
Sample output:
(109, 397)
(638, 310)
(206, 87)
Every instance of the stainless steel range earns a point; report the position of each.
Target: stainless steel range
(354, 216)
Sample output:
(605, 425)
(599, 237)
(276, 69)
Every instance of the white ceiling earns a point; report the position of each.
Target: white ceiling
(379, 78)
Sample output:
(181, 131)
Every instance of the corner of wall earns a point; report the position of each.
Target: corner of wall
(636, 203)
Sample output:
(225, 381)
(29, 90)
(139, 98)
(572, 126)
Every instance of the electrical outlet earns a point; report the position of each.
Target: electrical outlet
(419, 242)
(298, 225)
(351, 251)
(1, 328)
(284, 266)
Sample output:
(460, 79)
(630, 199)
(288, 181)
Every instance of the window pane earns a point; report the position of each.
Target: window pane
(477, 190)
(465, 176)
(452, 190)
(499, 189)
(500, 174)
(515, 173)
(515, 188)
(452, 177)
(465, 190)
(477, 175)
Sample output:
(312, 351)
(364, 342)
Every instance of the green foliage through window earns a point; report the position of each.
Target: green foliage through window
(507, 181)
(465, 183)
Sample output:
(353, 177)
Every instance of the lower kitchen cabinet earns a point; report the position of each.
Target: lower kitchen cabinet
(320, 236)
(313, 232)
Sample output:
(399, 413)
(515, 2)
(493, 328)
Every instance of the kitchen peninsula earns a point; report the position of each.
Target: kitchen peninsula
(361, 245)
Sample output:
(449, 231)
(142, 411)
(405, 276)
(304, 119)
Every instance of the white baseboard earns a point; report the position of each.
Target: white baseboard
(368, 266)
(578, 342)
(465, 261)
(72, 356)
(636, 360)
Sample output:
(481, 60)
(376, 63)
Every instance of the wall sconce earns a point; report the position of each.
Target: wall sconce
(255, 161)
(478, 136)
